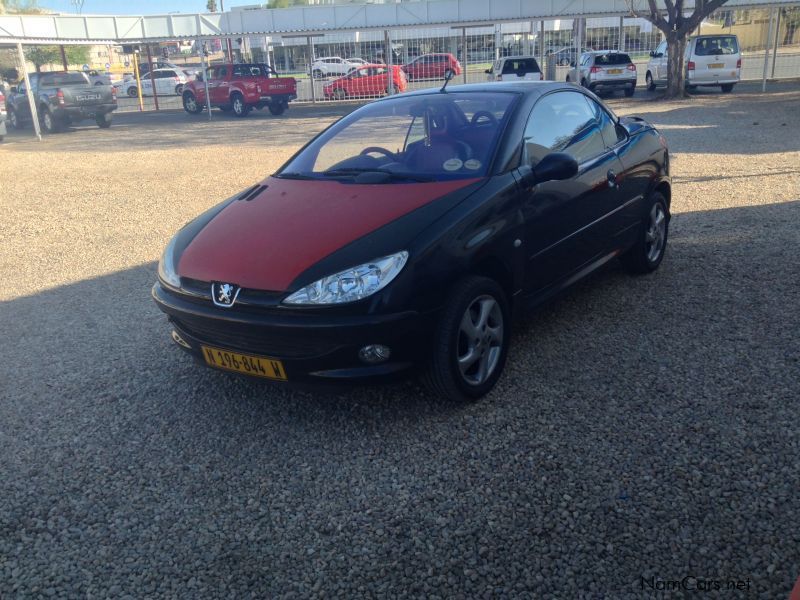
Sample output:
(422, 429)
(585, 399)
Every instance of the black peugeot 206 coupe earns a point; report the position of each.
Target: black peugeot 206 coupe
(408, 234)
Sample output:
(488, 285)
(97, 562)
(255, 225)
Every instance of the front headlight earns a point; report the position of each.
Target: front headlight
(352, 284)
(166, 266)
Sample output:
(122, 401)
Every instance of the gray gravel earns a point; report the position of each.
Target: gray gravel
(645, 427)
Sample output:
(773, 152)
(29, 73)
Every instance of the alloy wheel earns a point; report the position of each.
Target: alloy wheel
(480, 340)
(238, 105)
(655, 234)
(190, 103)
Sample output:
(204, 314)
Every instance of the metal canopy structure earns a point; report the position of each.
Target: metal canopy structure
(311, 20)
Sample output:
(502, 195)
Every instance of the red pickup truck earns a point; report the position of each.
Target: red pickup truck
(240, 88)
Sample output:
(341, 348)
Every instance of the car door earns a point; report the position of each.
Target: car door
(21, 105)
(564, 227)
(661, 60)
(218, 87)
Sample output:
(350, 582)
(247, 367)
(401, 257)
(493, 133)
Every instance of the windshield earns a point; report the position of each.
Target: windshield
(433, 137)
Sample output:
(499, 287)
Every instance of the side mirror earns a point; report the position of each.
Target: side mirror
(199, 76)
(572, 63)
(555, 167)
(488, 71)
(652, 53)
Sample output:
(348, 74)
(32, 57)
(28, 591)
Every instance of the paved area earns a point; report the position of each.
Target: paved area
(645, 429)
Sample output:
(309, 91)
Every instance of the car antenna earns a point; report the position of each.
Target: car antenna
(448, 75)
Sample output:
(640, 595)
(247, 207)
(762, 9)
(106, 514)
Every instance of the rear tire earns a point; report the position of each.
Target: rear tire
(240, 109)
(101, 121)
(727, 88)
(630, 91)
(470, 341)
(276, 108)
(133, 92)
(179, 89)
(647, 253)
(49, 123)
(190, 104)
(650, 84)
(584, 83)
(13, 120)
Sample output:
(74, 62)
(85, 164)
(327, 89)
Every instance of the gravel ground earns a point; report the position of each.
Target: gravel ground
(644, 428)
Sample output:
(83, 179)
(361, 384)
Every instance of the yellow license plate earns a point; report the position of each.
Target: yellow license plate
(716, 66)
(614, 71)
(259, 366)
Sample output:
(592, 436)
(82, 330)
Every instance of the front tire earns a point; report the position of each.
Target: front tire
(727, 88)
(179, 89)
(651, 85)
(240, 109)
(133, 92)
(190, 104)
(471, 341)
(647, 253)
(13, 120)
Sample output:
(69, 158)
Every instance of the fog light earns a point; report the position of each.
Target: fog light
(374, 353)
(179, 340)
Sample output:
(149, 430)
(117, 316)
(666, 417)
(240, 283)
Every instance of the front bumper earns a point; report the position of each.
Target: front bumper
(311, 347)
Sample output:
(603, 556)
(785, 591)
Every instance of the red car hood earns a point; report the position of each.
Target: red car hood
(266, 242)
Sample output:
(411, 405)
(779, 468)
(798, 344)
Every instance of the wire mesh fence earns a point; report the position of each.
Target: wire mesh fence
(369, 64)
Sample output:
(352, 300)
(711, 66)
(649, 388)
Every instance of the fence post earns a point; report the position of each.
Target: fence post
(775, 46)
(498, 41)
(152, 77)
(622, 34)
(541, 41)
(766, 49)
(29, 92)
(310, 43)
(464, 51)
(387, 54)
(204, 67)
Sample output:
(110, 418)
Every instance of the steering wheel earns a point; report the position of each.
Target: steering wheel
(379, 150)
(480, 114)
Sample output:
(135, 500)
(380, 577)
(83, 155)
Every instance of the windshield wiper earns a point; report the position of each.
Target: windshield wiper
(386, 175)
(290, 175)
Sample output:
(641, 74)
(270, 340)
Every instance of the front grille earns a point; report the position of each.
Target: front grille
(268, 341)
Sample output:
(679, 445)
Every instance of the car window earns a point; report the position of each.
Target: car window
(520, 66)
(62, 79)
(222, 72)
(562, 122)
(716, 45)
(612, 135)
(614, 58)
(586, 59)
(662, 48)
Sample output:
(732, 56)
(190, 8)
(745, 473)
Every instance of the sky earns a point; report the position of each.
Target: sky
(137, 7)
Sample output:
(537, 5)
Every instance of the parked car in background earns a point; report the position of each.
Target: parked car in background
(407, 234)
(168, 82)
(100, 78)
(366, 81)
(431, 66)
(710, 60)
(605, 70)
(2, 115)
(240, 88)
(566, 56)
(515, 68)
(334, 65)
(62, 98)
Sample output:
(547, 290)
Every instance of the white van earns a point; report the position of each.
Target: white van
(713, 60)
(515, 68)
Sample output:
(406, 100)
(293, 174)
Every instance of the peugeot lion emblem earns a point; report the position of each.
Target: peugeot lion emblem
(224, 294)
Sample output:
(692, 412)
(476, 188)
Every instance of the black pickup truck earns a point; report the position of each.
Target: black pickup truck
(62, 97)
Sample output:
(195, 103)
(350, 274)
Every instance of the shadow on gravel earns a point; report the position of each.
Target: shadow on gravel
(643, 426)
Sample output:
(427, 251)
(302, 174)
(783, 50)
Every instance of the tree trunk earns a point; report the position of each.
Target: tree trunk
(676, 69)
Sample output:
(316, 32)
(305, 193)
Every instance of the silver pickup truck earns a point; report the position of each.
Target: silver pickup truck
(62, 98)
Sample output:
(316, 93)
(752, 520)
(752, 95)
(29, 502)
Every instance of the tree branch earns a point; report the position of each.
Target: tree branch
(701, 11)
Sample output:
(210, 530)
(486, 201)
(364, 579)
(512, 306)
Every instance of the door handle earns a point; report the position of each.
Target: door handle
(612, 178)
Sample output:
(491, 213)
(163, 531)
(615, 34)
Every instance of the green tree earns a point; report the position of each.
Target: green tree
(791, 17)
(45, 55)
(676, 27)
(286, 3)
(211, 5)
